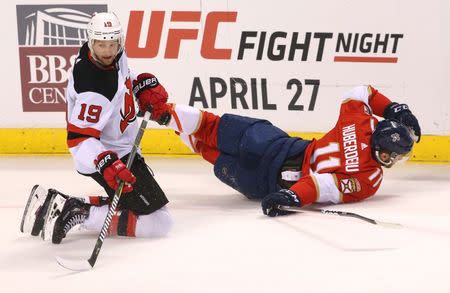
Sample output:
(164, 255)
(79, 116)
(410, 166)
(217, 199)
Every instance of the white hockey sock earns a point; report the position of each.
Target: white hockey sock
(185, 119)
(189, 140)
(156, 224)
(97, 216)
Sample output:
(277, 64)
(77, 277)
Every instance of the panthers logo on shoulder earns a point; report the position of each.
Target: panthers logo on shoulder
(350, 185)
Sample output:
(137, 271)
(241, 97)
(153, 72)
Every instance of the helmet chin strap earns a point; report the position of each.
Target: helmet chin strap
(388, 164)
(393, 158)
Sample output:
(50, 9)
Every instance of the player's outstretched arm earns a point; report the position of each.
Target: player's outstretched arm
(384, 107)
(152, 97)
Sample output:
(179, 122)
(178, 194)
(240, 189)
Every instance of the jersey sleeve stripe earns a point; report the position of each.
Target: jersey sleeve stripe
(374, 174)
(336, 182)
(76, 141)
(377, 182)
(85, 131)
(328, 190)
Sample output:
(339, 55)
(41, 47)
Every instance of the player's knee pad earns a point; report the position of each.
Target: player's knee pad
(156, 224)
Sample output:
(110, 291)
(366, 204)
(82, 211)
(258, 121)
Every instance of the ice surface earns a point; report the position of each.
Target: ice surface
(221, 242)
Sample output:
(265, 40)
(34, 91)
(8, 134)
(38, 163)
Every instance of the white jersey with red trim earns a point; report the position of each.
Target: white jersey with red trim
(101, 112)
(339, 167)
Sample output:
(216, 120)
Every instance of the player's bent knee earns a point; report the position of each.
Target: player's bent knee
(156, 224)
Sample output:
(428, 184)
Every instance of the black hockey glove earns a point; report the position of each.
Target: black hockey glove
(401, 113)
(284, 197)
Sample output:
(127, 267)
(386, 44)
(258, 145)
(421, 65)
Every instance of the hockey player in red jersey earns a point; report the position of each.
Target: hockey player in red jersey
(261, 161)
(101, 127)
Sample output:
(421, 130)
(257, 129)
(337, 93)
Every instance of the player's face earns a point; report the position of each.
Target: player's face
(105, 51)
(386, 157)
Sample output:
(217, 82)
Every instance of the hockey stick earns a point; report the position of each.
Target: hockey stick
(84, 265)
(342, 214)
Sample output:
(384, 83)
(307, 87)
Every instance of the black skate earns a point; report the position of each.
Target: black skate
(36, 209)
(62, 215)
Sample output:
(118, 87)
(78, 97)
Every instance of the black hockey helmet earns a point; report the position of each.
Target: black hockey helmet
(393, 138)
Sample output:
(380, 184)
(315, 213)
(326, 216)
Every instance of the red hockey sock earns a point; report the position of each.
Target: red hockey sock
(98, 200)
(208, 153)
(123, 223)
(207, 131)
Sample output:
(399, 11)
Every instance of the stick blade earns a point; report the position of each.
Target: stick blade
(389, 225)
(74, 265)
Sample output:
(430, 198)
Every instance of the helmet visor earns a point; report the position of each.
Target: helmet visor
(400, 158)
(390, 159)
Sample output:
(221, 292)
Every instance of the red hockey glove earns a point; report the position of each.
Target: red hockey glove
(151, 97)
(114, 170)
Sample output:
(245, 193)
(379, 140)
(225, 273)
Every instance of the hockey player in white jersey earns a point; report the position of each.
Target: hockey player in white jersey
(101, 127)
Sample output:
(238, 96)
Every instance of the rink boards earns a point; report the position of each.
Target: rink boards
(165, 142)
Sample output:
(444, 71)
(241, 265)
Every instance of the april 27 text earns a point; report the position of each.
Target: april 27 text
(252, 93)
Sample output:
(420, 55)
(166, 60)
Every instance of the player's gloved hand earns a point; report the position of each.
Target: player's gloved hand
(284, 197)
(152, 97)
(114, 170)
(401, 113)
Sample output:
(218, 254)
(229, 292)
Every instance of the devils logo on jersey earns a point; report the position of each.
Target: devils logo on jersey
(128, 112)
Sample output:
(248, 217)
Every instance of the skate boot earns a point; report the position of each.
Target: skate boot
(36, 209)
(62, 215)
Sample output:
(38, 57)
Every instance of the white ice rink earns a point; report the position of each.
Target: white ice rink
(221, 242)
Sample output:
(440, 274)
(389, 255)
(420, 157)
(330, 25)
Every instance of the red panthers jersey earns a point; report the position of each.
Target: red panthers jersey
(339, 166)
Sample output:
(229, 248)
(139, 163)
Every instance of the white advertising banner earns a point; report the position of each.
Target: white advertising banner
(286, 61)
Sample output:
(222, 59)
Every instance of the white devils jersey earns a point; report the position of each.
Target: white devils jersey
(101, 113)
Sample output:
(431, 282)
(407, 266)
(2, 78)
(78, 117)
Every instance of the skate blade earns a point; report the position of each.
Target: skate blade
(47, 229)
(26, 227)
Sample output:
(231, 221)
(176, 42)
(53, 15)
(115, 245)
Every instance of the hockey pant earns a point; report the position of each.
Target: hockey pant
(247, 153)
(140, 213)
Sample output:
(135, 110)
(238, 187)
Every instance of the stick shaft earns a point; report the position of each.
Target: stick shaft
(339, 213)
(118, 193)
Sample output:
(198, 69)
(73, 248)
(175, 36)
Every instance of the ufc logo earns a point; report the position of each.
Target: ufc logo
(176, 35)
